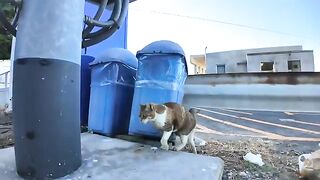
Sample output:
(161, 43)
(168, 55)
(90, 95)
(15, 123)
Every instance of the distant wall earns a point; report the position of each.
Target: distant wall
(229, 59)
(248, 60)
(281, 61)
(295, 91)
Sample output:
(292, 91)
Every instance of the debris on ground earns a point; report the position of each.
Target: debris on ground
(243, 174)
(278, 166)
(301, 159)
(254, 158)
(6, 130)
(199, 142)
(309, 165)
(154, 148)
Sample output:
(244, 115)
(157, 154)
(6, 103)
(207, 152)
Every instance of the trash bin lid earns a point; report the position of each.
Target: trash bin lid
(116, 55)
(163, 47)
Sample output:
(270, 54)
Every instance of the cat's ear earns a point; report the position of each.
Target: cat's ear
(152, 107)
(142, 106)
(160, 109)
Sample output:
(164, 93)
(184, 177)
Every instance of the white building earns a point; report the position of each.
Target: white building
(273, 59)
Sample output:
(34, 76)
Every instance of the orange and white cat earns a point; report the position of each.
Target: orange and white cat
(171, 118)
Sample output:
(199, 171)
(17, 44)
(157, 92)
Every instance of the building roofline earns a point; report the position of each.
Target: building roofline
(194, 57)
(267, 49)
(278, 52)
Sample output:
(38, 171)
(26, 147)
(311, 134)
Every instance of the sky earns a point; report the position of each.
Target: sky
(222, 25)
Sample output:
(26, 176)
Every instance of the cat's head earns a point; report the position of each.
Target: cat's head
(149, 111)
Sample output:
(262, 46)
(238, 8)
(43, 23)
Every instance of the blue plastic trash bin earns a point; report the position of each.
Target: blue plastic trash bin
(161, 75)
(113, 76)
(85, 88)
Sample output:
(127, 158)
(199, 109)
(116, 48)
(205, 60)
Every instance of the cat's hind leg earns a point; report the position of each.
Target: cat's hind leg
(191, 142)
(177, 141)
(184, 140)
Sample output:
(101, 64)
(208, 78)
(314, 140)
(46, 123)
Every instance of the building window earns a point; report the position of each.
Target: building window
(294, 66)
(266, 66)
(242, 67)
(221, 68)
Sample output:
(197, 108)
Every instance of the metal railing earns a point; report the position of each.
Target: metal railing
(4, 79)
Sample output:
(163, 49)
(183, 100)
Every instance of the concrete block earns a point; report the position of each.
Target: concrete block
(108, 158)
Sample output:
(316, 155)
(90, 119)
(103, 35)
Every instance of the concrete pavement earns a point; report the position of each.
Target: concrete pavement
(108, 158)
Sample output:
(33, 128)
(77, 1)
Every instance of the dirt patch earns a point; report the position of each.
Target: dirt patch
(6, 138)
(6, 130)
(280, 158)
(278, 165)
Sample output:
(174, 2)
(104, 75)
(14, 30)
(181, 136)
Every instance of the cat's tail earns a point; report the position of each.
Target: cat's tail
(194, 111)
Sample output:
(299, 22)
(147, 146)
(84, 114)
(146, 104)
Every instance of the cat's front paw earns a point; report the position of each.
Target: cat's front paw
(165, 147)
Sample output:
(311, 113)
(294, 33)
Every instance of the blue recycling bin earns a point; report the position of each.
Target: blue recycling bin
(113, 76)
(85, 88)
(161, 75)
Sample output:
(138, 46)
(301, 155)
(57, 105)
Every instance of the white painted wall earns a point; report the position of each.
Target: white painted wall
(281, 61)
(233, 60)
(229, 58)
